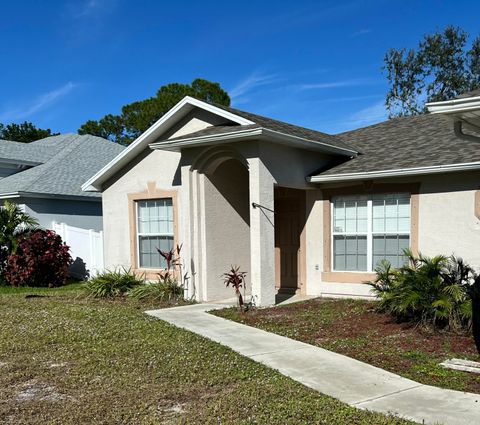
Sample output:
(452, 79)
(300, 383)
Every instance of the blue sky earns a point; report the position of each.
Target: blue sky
(312, 63)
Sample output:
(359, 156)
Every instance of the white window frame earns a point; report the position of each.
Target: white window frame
(140, 234)
(369, 234)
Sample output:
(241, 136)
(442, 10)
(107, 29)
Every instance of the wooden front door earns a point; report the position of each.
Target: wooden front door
(289, 222)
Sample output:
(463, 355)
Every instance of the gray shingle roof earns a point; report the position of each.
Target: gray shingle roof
(408, 142)
(293, 130)
(38, 152)
(67, 162)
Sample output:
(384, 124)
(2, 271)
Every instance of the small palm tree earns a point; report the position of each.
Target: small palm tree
(427, 290)
(13, 224)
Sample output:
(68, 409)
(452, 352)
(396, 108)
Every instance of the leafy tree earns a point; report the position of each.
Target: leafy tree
(443, 66)
(136, 117)
(25, 132)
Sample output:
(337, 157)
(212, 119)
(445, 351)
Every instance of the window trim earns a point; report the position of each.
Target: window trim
(369, 233)
(139, 235)
(365, 188)
(151, 193)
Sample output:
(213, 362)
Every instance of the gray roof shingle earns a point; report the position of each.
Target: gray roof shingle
(67, 161)
(286, 128)
(37, 152)
(407, 142)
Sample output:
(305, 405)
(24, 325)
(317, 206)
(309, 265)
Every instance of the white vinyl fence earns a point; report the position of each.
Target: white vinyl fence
(86, 249)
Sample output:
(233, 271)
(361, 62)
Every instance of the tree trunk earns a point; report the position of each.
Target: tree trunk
(240, 300)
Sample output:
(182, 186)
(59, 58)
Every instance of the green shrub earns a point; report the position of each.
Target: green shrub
(162, 290)
(112, 283)
(435, 291)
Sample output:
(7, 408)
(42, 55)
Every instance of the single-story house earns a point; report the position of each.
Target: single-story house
(298, 210)
(45, 177)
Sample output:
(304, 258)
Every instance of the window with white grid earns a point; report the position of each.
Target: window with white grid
(369, 229)
(154, 230)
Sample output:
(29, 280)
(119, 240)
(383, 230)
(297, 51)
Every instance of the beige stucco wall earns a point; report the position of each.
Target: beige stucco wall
(288, 166)
(314, 240)
(227, 227)
(160, 167)
(196, 120)
(446, 225)
(447, 221)
(156, 166)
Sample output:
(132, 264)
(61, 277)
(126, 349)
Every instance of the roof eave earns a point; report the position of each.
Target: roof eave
(242, 135)
(212, 139)
(401, 172)
(454, 106)
(23, 194)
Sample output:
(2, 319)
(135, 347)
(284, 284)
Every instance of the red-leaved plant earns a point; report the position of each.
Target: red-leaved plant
(236, 279)
(174, 269)
(41, 259)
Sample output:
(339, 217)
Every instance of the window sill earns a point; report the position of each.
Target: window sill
(348, 277)
(148, 273)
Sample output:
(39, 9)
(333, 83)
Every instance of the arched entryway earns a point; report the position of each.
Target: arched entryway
(226, 209)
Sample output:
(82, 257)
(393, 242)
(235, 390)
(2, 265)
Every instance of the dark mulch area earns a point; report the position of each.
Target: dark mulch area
(356, 329)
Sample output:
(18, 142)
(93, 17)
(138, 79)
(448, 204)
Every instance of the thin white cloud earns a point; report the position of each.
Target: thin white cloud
(41, 103)
(333, 84)
(87, 8)
(363, 31)
(369, 115)
(250, 83)
(364, 117)
(339, 99)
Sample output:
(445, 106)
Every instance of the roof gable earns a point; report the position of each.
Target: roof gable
(165, 123)
(236, 121)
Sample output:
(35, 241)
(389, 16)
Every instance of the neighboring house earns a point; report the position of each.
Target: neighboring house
(299, 210)
(45, 177)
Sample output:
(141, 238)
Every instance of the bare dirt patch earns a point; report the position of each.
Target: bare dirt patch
(38, 391)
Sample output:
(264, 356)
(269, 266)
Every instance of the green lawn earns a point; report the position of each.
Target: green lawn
(66, 359)
(354, 328)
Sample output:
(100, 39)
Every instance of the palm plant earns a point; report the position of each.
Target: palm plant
(13, 224)
(427, 290)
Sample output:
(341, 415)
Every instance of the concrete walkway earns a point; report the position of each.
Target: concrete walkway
(351, 381)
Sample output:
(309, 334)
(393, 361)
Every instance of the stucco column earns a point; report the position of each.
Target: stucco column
(262, 233)
(185, 229)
